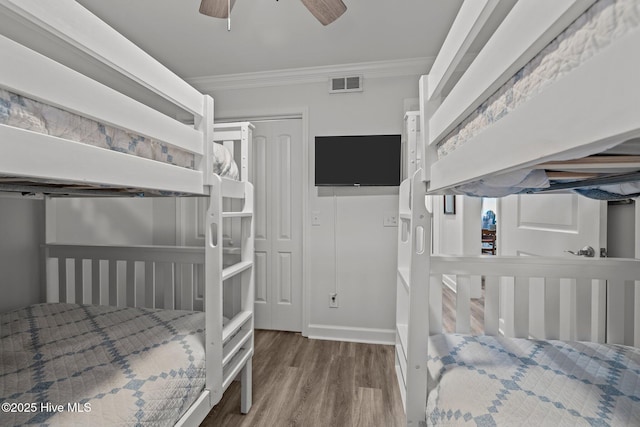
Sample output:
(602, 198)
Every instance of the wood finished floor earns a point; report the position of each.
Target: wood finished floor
(449, 312)
(303, 382)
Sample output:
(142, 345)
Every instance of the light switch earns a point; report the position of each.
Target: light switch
(315, 218)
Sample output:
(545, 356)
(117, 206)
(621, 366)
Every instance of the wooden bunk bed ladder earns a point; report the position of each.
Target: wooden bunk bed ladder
(232, 345)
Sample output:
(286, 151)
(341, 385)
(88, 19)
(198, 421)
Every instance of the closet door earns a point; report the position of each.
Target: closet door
(277, 177)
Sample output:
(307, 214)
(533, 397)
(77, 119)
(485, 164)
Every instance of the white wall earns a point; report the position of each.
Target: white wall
(21, 234)
(621, 231)
(360, 261)
(458, 234)
(115, 221)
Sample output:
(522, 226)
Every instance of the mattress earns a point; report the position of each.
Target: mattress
(489, 381)
(599, 27)
(67, 364)
(25, 113)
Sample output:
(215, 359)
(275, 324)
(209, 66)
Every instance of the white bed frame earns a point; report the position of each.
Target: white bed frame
(127, 276)
(581, 110)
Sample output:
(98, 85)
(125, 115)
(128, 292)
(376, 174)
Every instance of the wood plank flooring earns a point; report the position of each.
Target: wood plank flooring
(316, 383)
(302, 382)
(449, 312)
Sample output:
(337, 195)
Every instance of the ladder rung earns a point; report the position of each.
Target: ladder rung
(238, 362)
(237, 214)
(235, 269)
(235, 345)
(235, 324)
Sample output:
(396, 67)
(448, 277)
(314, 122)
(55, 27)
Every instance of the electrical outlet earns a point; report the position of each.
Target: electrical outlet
(315, 218)
(333, 300)
(390, 219)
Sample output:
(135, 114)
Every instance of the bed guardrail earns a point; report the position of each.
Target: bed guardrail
(133, 276)
(527, 29)
(544, 297)
(74, 26)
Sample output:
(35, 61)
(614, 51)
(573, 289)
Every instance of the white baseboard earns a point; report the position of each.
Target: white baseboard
(341, 333)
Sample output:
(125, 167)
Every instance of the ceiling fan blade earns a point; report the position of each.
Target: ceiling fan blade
(216, 8)
(325, 11)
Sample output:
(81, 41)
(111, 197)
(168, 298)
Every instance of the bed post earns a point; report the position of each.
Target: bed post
(636, 320)
(247, 135)
(428, 105)
(206, 127)
(418, 316)
(213, 292)
(247, 280)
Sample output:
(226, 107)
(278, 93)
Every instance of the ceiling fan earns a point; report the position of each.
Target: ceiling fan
(325, 11)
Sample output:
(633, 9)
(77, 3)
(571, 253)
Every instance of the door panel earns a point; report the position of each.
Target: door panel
(278, 181)
(551, 225)
(260, 183)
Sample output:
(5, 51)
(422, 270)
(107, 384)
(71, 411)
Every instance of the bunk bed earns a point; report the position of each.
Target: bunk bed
(129, 335)
(548, 104)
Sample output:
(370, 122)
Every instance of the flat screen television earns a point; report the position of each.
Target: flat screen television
(360, 160)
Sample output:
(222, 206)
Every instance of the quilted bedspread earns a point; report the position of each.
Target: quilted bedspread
(68, 365)
(489, 381)
(599, 27)
(25, 113)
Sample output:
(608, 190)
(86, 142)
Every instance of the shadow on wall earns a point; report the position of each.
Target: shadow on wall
(21, 234)
(104, 221)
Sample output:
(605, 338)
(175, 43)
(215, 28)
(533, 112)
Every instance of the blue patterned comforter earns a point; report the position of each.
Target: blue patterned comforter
(68, 364)
(489, 381)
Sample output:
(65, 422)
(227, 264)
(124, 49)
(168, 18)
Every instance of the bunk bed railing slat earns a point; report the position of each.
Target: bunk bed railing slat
(545, 298)
(491, 306)
(583, 308)
(132, 278)
(435, 305)
(130, 295)
(95, 281)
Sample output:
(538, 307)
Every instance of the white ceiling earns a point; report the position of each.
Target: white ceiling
(269, 35)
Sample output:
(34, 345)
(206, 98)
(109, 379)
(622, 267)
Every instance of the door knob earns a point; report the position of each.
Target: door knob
(587, 251)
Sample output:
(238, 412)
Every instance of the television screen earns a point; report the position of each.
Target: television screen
(361, 160)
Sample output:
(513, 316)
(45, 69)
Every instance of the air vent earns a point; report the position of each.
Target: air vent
(345, 84)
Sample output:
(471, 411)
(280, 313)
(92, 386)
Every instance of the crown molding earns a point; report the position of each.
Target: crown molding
(293, 76)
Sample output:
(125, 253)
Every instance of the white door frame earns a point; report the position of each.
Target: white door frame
(301, 112)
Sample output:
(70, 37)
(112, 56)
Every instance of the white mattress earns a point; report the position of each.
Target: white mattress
(25, 113)
(121, 366)
(602, 24)
(489, 381)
